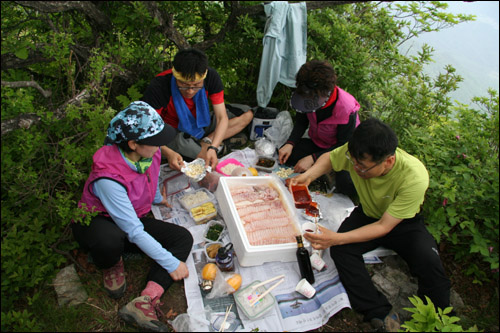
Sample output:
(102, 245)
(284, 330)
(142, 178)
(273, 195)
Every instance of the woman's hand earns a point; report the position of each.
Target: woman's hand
(175, 160)
(284, 153)
(303, 164)
(180, 273)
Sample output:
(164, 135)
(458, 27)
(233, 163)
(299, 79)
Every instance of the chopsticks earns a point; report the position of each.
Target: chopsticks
(222, 326)
(267, 281)
(252, 303)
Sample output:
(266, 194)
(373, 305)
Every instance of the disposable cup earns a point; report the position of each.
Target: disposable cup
(316, 261)
(308, 227)
(305, 288)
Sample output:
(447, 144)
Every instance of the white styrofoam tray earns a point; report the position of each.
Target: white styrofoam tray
(250, 255)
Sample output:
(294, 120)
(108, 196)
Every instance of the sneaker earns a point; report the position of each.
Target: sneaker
(390, 323)
(114, 280)
(142, 312)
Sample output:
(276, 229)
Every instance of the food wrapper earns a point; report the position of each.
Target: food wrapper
(196, 169)
(264, 147)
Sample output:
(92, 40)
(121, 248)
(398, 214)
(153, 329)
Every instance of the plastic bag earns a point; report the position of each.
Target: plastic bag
(264, 147)
(281, 129)
(186, 322)
(220, 286)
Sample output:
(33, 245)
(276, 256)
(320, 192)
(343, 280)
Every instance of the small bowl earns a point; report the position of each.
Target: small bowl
(226, 162)
(209, 224)
(207, 245)
(265, 163)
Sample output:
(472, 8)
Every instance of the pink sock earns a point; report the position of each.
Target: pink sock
(152, 290)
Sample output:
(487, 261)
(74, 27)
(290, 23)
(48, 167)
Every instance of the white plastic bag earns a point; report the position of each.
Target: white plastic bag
(281, 129)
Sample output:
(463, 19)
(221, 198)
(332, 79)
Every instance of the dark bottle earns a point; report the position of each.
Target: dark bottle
(224, 258)
(304, 261)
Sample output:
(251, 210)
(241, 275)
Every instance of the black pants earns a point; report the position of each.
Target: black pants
(106, 242)
(411, 240)
(306, 147)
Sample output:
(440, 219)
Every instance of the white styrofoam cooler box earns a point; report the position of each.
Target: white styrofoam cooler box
(250, 255)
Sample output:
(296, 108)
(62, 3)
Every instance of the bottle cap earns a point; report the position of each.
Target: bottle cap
(222, 253)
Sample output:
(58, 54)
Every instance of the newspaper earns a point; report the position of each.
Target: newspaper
(292, 311)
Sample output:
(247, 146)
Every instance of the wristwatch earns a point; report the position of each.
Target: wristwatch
(214, 148)
(206, 140)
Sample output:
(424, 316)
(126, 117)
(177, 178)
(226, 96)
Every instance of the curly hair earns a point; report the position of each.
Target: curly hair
(316, 78)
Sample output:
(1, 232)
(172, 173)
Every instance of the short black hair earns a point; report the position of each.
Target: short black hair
(375, 138)
(189, 62)
(315, 78)
(124, 147)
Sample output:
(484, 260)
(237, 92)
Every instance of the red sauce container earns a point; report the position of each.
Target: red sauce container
(301, 196)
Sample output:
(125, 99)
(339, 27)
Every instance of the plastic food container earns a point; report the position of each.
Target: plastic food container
(176, 183)
(265, 163)
(203, 213)
(208, 245)
(301, 196)
(196, 198)
(231, 324)
(210, 225)
(226, 163)
(248, 254)
(247, 294)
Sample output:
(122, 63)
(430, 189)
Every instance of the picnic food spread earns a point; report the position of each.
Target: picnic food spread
(265, 219)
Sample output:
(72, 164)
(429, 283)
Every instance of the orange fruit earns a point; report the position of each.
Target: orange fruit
(209, 271)
(235, 281)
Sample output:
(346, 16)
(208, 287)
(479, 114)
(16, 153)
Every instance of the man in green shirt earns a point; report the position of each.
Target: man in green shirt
(391, 185)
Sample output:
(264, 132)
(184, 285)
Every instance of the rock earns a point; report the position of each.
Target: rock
(394, 280)
(69, 288)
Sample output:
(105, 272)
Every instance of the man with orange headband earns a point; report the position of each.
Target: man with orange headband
(181, 95)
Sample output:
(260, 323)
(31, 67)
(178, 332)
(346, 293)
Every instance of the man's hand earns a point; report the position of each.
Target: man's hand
(324, 239)
(301, 179)
(180, 273)
(209, 155)
(284, 153)
(303, 164)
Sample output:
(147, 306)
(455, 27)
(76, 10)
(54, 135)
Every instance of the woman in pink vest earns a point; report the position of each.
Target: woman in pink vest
(330, 113)
(121, 188)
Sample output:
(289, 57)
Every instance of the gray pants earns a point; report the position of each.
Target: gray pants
(189, 146)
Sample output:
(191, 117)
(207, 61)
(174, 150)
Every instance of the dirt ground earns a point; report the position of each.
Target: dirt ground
(481, 301)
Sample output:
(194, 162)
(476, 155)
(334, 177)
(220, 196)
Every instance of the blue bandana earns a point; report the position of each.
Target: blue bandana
(187, 123)
(141, 123)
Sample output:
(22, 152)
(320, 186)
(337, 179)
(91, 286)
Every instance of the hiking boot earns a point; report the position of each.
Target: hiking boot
(142, 312)
(390, 323)
(114, 280)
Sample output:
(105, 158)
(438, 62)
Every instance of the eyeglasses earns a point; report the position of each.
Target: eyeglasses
(187, 88)
(357, 168)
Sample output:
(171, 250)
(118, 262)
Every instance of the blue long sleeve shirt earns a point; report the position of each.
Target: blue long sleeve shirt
(117, 203)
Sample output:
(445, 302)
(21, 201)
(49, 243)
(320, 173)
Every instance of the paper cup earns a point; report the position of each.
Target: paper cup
(305, 288)
(317, 262)
(308, 227)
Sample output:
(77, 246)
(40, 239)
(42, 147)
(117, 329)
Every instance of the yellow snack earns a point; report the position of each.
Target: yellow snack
(254, 171)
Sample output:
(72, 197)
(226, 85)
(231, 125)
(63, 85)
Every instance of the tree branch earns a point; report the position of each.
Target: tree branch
(32, 84)
(166, 24)
(97, 19)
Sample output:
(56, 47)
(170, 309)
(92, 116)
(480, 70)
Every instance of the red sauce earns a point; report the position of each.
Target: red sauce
(301, 196)
(312, 209)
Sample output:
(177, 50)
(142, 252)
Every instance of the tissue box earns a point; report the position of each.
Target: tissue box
(248, 254)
